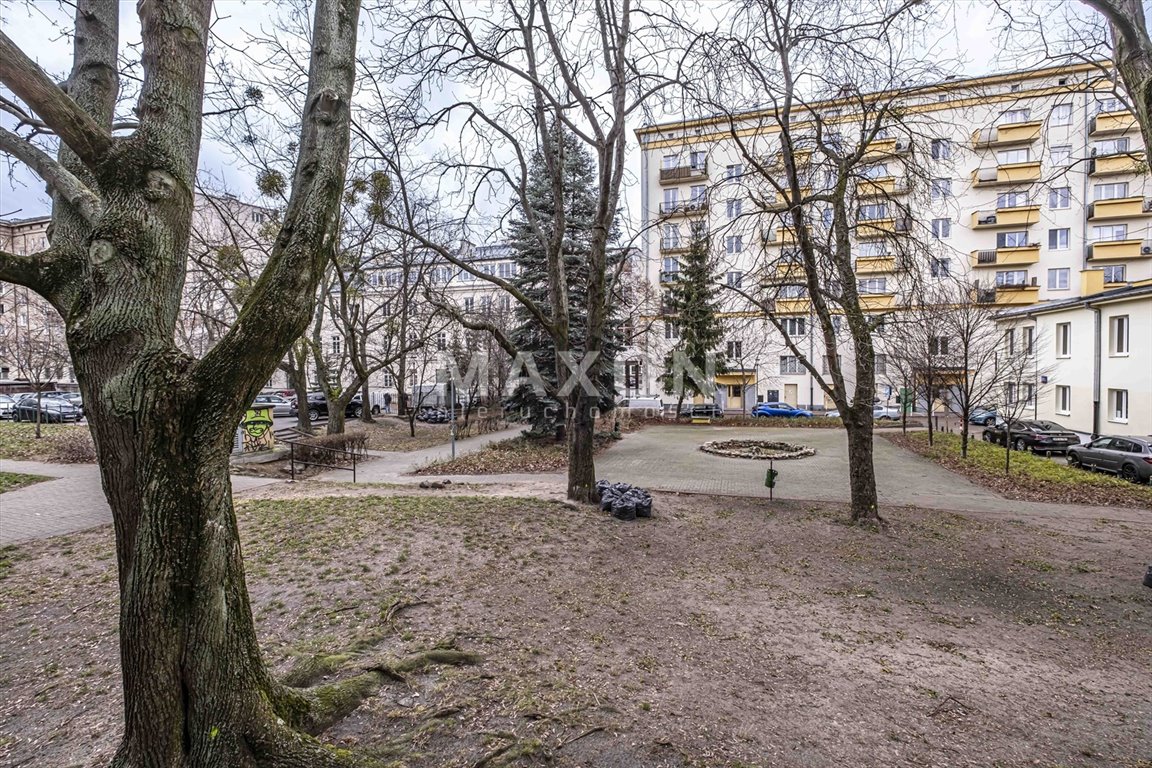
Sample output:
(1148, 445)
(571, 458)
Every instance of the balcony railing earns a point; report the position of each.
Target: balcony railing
(1119, 208)
(684, 172)
(1112, 122)
(695, 205)
(670, 276)
(986, 256)
(674, 245)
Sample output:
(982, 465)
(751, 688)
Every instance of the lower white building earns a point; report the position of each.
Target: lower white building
(1096, 354)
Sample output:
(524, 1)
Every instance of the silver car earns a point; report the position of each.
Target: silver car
(281, 406)
(1128, 457)
(7, 403)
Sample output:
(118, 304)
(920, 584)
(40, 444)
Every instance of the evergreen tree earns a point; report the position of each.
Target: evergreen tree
(542, 412)
(691, 302)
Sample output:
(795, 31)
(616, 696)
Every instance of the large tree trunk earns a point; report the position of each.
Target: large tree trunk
(581, 447)
(861, 471)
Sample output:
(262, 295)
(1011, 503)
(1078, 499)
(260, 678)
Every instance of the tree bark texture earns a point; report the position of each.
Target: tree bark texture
(861, 471)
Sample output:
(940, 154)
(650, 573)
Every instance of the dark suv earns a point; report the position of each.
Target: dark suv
(703, 411)
(1038, 436)
(318, 406)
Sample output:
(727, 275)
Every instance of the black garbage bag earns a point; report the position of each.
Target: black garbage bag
(606, 502)
(624, 509)
(644, 507)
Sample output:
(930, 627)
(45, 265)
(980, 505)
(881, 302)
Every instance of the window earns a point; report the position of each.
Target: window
(1030, 395)
(837, 321)
(790, 364)
(699, 193)
(506, 269)
(442, 341)
(1118, 336)
(938, 345)
(1010, 393)
(1008, 156)
(1058, 279)
(1061, 197)
(1060, 155)
(1027, 339)
(735, 349)
(941, 149)
(940, 189)
(669, 162)
(1014, 239)
(1110, 191)
(733, 208)
(1063, 399)
(873, 212)
(469, 303)
(825, 359)
(881, 365)
(671, 198)
(1061, 115)
(1110, 146)
(671, 238)
(795, 326)
(1110, 104)
(875, 171)
(698, 230)
(1110, 232)
(671, 329)
(257, 217)
(734, 244)
(734, 171)
(387, 380)
(1059, 239)
(1114, 274)
(1014, 87)
(1012, 277)
(1012, 200)
(941, 228)
(826, 215)
(1010, 341)
(735, 279)
(1015, 116)
(793, 292)
(870, 250)
(941, 267)
(335, 345)
(1063, 339)
(872, 285)
(1118, 405)
(698, 160)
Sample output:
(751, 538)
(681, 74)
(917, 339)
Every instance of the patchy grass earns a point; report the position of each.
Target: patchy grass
(60, 444)
(390, 433)
(515, 455)
(1031, 477)
(722, 633)
(10, 481)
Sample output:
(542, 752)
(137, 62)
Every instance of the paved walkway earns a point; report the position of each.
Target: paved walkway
(74, 501)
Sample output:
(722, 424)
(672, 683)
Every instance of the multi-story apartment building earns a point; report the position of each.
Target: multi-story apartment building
(1030, 187)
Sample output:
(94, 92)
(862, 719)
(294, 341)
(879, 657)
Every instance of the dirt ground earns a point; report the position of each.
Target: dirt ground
(722, 632)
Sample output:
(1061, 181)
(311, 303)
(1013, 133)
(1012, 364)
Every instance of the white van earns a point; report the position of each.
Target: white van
(649, 406)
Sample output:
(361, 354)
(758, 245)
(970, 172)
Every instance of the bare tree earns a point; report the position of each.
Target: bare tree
(1132, 54)
(32, 339)
(196, 692)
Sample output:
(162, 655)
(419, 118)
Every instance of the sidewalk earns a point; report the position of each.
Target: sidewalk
(74, 501)
(394, 466)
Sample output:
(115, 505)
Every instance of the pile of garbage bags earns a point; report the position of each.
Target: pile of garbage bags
(624, 501)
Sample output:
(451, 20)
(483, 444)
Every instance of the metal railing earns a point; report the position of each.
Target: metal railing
(305, 462)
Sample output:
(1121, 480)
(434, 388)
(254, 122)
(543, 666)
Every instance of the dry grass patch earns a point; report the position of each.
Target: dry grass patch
(59, 444)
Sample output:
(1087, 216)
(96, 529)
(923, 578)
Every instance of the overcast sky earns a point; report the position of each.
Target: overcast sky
(969, 34)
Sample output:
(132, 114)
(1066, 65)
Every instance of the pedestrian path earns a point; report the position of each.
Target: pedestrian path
(72, 501)
(394, 466)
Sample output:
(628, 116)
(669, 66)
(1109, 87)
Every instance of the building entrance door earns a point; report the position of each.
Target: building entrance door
(791, 393)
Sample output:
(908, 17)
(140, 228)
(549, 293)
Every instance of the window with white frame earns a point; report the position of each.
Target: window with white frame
(1011, 393)
(1012, 277)
(1061, 115)
(671, 237)
(734, 171)
(336, 343)
(881, 365)
(671, 198)
(872, 285)
(1107, 232)
(506, 269)
(671, 329)
(735, 349)
(734, 244)
(1029, 395)
(1063, 339)
(735, 279)
(1012, 116)
(1028, 339)
(1012, 200)
(1058, 278)
(1061, 154)
(873, 212)
(469, 303)
(871, 250)
(1014, 239)
(940, 189)
(1010, 341)
(795, 326)
(699, 193)
(1113, 191)
(387, 380)
(1115, 274)
(1009, 156)
(790, 364)
(941, 228)
(875, 171)
(1110, 146)
(941, 267)
(442, 341)
(668, 162)
(1063, 399)
(734, 207)
(1118, 405)
(793, 292)
(1118, 336)
(941, 149)
(937, 345)
(1109, 104)
(697, 159)
(826, 359)
(837, 323)
(1060, 197)
(1059, 239)
(671, 265)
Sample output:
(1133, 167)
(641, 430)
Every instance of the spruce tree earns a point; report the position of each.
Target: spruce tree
(691, 302)
(543, 413)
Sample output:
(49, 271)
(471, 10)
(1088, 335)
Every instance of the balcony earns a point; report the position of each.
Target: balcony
(792, 306)
(881, 148)
(1123, 162)
(1012, 173)
(678, 245)
(875, 265)
(889, 186)
(683, 207)
(870, 302)
(778, 236)
(1119, 250)
(1009, 134)
(999, 257)
(871, 229)
(669, 277)
(784, 271)
(683, 173)
(1120, 208)
(1022, 216)
(1008, 295)
(1108, 123)
(778, 203)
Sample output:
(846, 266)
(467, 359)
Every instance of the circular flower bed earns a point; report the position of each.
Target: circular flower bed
(757, 449)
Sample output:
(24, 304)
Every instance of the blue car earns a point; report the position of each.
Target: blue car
(780, 409)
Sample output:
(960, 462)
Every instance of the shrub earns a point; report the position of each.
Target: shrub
(73, 446)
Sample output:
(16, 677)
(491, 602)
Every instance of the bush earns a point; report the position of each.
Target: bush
(73, 446)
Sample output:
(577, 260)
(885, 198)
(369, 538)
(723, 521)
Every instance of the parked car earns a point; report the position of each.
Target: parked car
(52, 409)
(879, 412)
(780, 409)
(318, 406)
(703, 411)
(983, 415)
(281, 406)
(647, 404)
(1128, 457)
(7, 403)
(1042, 436)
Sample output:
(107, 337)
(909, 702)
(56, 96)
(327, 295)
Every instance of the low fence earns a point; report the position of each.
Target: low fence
(329, 452)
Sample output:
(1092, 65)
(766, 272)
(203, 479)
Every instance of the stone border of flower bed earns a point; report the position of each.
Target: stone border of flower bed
(754, 449)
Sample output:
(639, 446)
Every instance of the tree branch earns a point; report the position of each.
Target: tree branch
(58, 178)
(31, 84)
